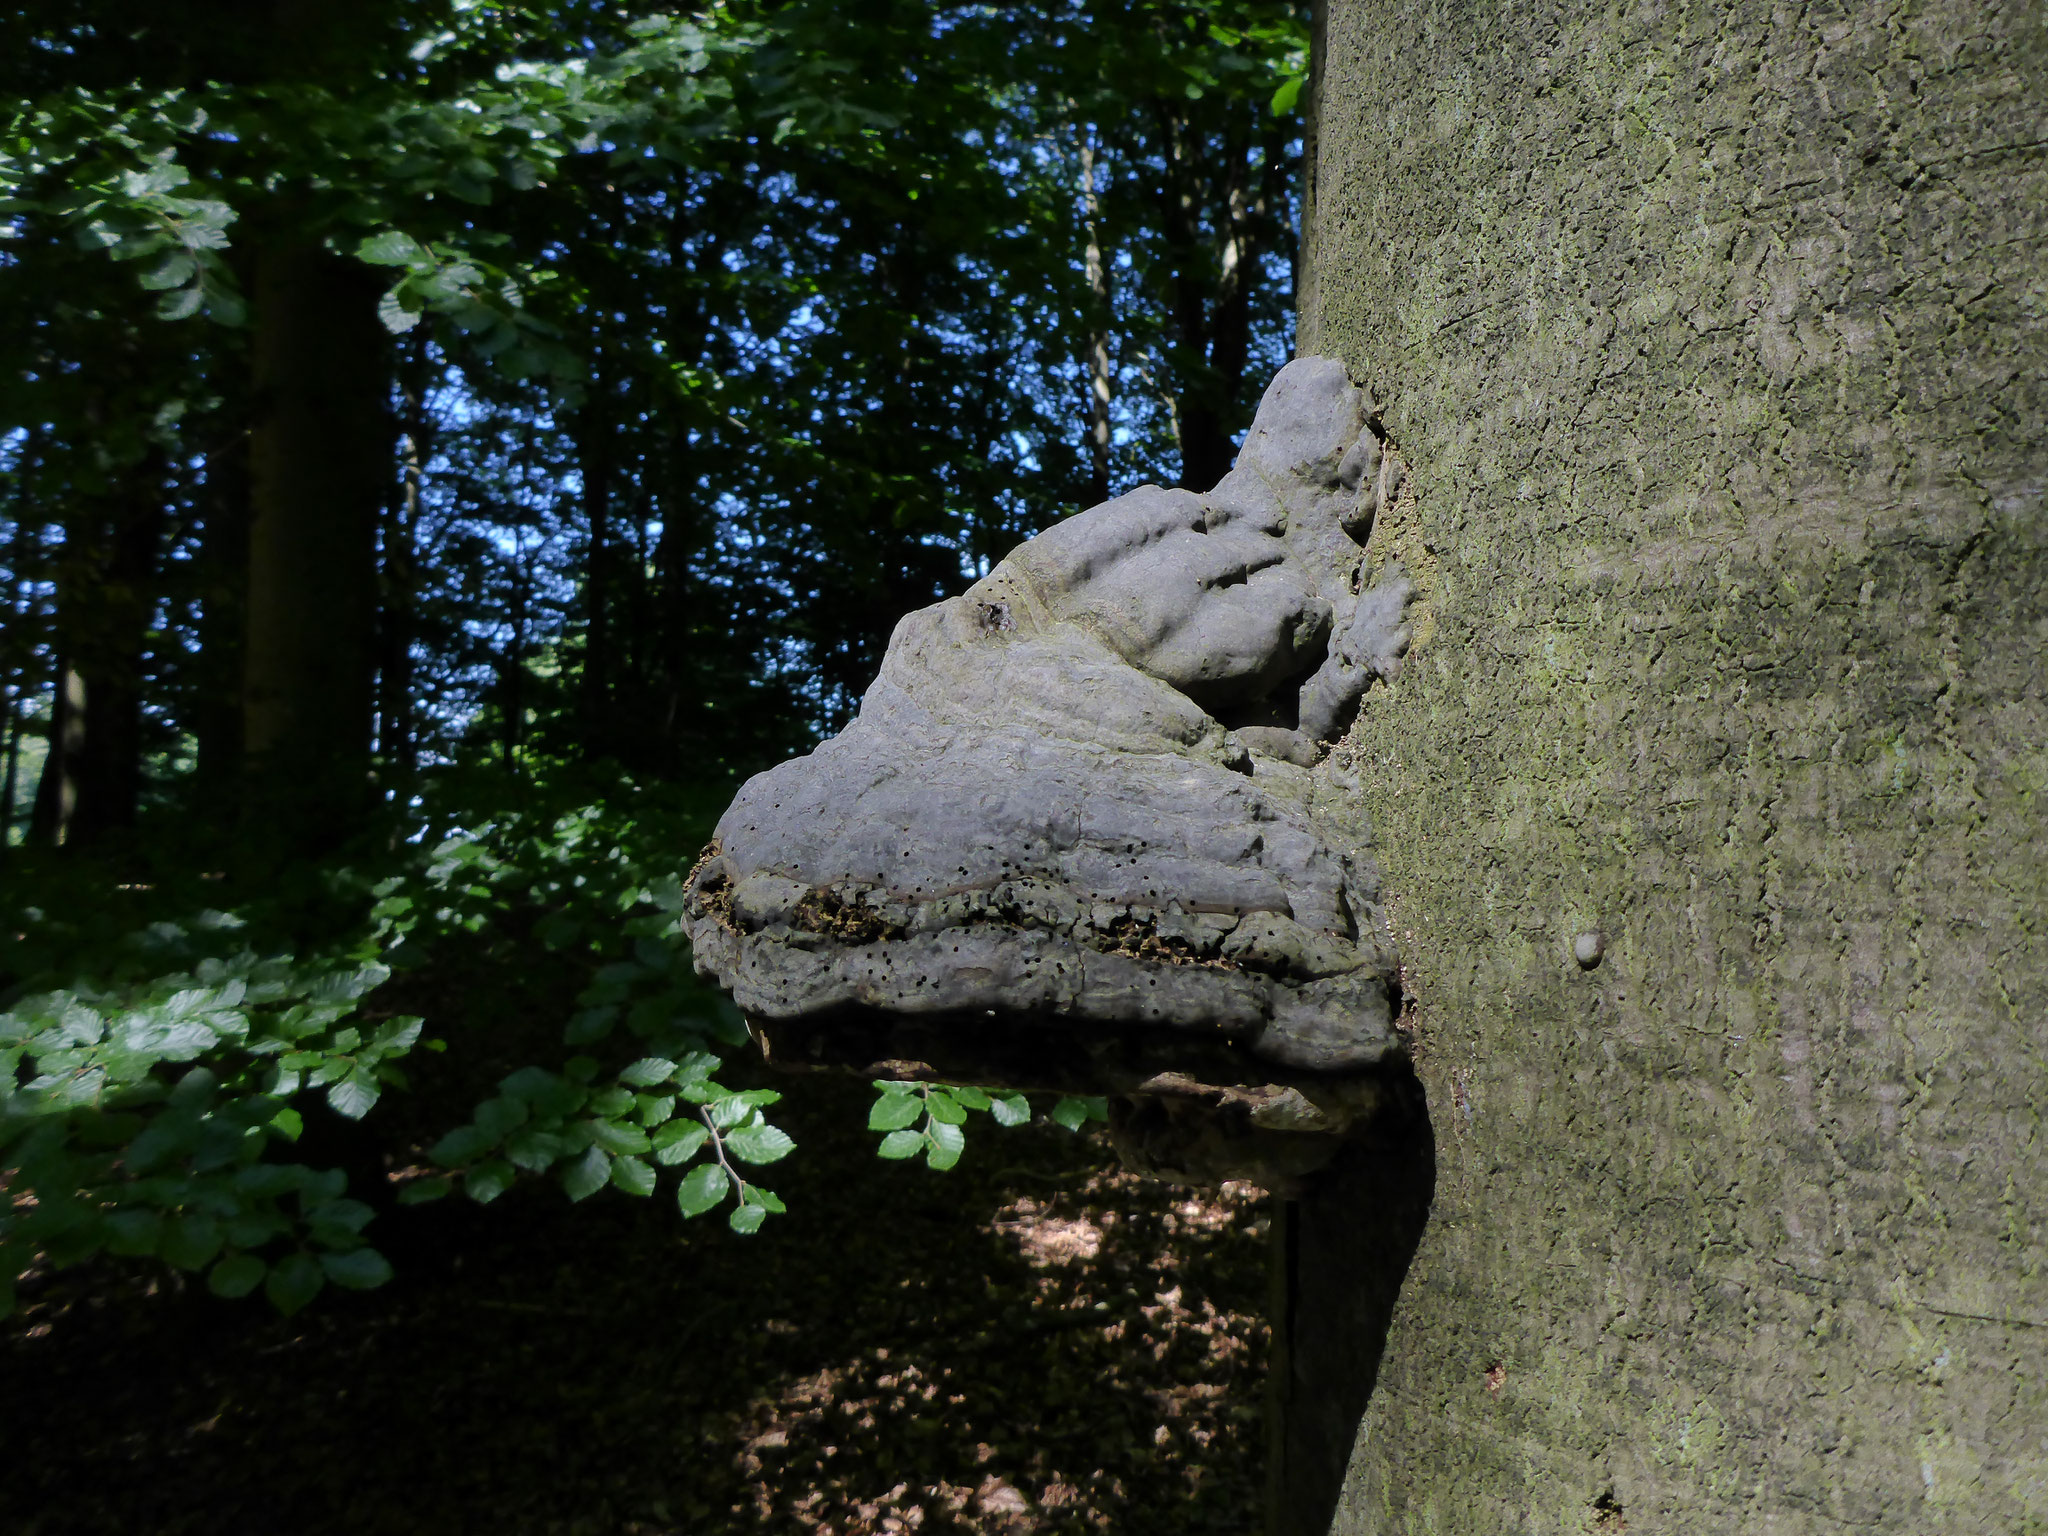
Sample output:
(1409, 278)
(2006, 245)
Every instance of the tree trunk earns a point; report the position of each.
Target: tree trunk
(320, 463)
(399, 575)
(1098, 336)
(1209, 296)
(106, 596)
(1710, 798)
(223, 587)
(110, 771)
(54, 814)
(596, 443)
(20, 648)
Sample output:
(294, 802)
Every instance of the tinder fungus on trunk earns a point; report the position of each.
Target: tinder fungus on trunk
(1088, 797)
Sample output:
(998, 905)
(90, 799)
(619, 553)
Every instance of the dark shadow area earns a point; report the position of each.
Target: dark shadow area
(1344, 1250)
(1032, 1344)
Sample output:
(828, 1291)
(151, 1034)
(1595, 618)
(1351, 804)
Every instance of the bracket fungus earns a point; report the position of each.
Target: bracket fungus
(1085, 833)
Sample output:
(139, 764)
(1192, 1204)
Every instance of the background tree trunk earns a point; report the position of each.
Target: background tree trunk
(106, 595)
(320, 463)
(1099, 372)
(398, 570)
(1712, 339)
(223, 587)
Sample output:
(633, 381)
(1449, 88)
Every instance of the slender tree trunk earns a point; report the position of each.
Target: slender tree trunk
(106, 591)
(13, 778)
(512, 667)
(678, 602)
(320, 461)
(596, 446)
(398, 582)
(223, 586)
(1098, 336)
(1212, 301)
(110, 777)
(20, 650)
(52, 818)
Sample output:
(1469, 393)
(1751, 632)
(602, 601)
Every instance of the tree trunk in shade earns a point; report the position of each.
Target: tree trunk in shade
(320, 462)
(1710, 800)
(91, 783)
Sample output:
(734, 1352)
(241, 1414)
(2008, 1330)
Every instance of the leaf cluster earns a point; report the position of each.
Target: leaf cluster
(144, 1121)
(931, 1118)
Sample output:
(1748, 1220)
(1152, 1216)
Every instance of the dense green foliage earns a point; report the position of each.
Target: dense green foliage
(413, 426)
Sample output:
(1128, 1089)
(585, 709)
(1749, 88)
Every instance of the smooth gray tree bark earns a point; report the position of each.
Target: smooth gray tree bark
(1711, 798)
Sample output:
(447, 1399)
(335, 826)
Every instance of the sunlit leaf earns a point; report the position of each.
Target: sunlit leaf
(759, 1143)
(702, 1188)
(899, 1144)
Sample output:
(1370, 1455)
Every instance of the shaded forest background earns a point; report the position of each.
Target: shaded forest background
(444, 447)
(420, 386)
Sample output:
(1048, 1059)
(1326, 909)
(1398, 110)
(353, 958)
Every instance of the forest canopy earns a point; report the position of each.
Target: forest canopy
(443, 447)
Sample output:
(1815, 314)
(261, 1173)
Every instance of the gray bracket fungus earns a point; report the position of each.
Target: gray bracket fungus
(1092, 794)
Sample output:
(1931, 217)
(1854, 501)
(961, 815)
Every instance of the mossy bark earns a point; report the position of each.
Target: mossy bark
(1713, 339)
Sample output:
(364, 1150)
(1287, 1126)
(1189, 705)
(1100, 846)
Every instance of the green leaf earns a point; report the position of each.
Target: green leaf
(529, 1083)
(633, 1176)
(678, 1141)
(288, 1123)
(420, 1191)
(1013, 1110)
(396, 1035)
(948, 1141)
(500, 1117)
(488, 1180)
(393, 248)
(536, 1150)
(731, 1109)
(893, 1111)
(176, 269)
(354, 1095)
(945, 1109)
(590, 1024)
(225, 306)
(767, 1199)
(1288, 94)
(588, 1174)
(327, 1184)
(393, 315)
(236, 1275)
(611, 1102)
(648, 1071)
(901, 1144)
(759, 1143)
(615, 1137)
(191, 1241)
(179, 304)
(252, 1229)
(464, 1144)
(1074, 1113)
(359, 1269)
(295, 1281)
(696, 1067)
(701, 1189)
(346, 1216)
(746, 1218)
(134, 1233)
